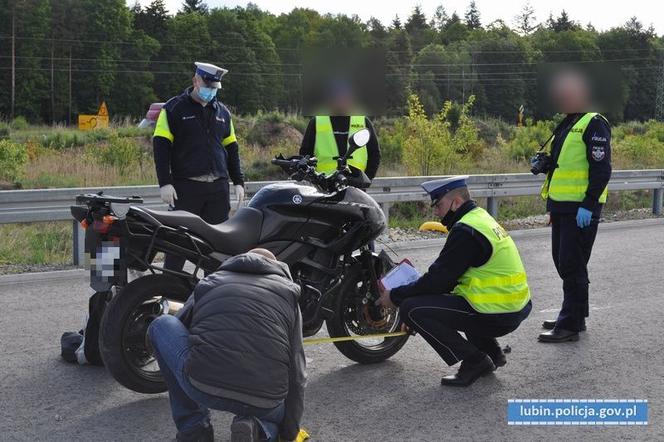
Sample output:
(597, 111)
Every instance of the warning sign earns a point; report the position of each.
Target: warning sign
(90, 122)
(99, 121)
(103, 111)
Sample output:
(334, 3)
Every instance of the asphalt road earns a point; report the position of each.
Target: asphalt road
(620, 356)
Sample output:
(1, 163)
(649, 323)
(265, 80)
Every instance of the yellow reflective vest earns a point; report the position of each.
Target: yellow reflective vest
(500, 285)
(325, 147)
(569, 181)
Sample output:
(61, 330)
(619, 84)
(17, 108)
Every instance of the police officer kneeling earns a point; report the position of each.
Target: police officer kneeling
(477, 285)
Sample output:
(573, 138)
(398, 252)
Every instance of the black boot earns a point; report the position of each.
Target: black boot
(199, 433)
(469, 372)
(558, 335)
(246, 429)
(498, 358)
(549, 324)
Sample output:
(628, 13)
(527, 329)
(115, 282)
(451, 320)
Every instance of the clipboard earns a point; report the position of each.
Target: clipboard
(404, 273)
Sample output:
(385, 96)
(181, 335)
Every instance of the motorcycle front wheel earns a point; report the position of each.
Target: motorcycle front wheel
(123, 337)
(356, 315)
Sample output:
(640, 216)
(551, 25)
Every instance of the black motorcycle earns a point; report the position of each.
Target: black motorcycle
(321, 230)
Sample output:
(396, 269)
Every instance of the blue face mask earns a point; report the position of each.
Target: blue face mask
(207, 93)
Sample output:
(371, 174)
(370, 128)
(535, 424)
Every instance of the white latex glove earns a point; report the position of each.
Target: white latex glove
(168, 194)
(239, 191)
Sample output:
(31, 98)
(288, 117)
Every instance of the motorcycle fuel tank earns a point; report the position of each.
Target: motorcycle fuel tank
(292, 210)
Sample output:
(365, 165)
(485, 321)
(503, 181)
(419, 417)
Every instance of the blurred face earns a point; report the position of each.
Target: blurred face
(569, 92)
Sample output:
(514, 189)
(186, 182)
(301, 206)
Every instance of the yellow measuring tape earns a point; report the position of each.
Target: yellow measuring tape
(313, 341)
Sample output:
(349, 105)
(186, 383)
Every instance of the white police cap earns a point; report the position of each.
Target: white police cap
(438, 188)
(210, 73)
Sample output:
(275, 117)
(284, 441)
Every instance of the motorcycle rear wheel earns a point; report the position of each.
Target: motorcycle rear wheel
(123, 337)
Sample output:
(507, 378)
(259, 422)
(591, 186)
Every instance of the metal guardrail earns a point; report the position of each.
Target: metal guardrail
(26, 206)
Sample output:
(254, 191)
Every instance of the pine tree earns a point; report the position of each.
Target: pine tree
(396, 22)
(152, 19)
(525, 21)
(440, 18)
(473, 16)
(190, 6)
(562, 23)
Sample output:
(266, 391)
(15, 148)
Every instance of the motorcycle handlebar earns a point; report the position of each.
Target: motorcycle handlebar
(303, 168)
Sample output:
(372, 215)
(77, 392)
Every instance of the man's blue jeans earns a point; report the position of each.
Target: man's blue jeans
(170, 340)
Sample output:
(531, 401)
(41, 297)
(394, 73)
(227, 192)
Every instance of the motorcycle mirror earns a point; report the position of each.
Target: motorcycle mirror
(360, 138)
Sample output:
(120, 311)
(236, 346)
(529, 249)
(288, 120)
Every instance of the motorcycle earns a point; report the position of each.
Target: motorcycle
(320, 225)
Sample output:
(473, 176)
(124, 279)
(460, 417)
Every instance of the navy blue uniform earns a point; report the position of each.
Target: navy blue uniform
(192, 141)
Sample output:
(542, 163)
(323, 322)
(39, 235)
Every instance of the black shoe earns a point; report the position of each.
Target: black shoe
(558, 335)
(549, 324)
(199, 433)
(499, 359)
(469, 373)
(246, 429)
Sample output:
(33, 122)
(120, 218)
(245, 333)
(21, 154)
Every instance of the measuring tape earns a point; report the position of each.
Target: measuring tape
(315, 341)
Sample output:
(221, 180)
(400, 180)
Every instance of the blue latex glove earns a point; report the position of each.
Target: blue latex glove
(583, 217)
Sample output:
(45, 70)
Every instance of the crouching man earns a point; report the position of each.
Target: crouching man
(476, 286)
(236, 346)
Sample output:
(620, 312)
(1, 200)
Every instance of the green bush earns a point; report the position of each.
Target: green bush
(392, 140)
(298, 122)
(627, 129)
(431, 146)
(527, 140)
(121, 153)
(19, 123)
(13, 158)
(64, 139)
(490, 128)
(4, 130)
(134, 131)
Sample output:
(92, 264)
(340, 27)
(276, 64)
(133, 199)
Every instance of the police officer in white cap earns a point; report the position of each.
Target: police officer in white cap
(196, 152)
(477, 286)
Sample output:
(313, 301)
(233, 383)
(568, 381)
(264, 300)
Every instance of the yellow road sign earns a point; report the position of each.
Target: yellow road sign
(90, 122)
(103, 110)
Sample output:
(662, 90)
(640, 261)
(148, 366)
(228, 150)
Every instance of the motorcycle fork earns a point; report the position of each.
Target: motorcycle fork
(366, 257)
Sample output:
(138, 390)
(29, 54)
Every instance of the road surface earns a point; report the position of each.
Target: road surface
(620, 356)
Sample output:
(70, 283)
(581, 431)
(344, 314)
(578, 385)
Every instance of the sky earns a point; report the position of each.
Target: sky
(602, 14)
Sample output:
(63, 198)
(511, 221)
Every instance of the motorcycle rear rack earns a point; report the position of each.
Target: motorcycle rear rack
(156, 238)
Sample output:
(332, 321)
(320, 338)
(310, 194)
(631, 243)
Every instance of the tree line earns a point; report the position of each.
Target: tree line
(59, 58)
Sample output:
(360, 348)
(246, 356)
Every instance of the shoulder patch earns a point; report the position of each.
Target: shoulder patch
(598, 153)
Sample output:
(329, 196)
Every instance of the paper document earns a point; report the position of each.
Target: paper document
(402, 274)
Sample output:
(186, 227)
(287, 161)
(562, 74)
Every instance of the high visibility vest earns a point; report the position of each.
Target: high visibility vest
(325, 147)
(500, 285)
(569, 181)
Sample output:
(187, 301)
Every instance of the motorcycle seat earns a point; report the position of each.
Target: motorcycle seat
(239, 234)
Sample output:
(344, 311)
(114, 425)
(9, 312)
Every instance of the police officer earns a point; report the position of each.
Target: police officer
(477, 285)
(575, 190)
(326, 136)
(196, 152)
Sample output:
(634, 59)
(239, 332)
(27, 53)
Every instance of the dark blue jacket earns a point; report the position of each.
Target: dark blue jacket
(202, 142)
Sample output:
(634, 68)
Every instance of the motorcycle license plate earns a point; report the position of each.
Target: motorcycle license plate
(105, 264)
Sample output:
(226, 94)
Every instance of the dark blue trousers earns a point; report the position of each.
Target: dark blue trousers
(571, 247)
(210, 201)
(440, 318)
